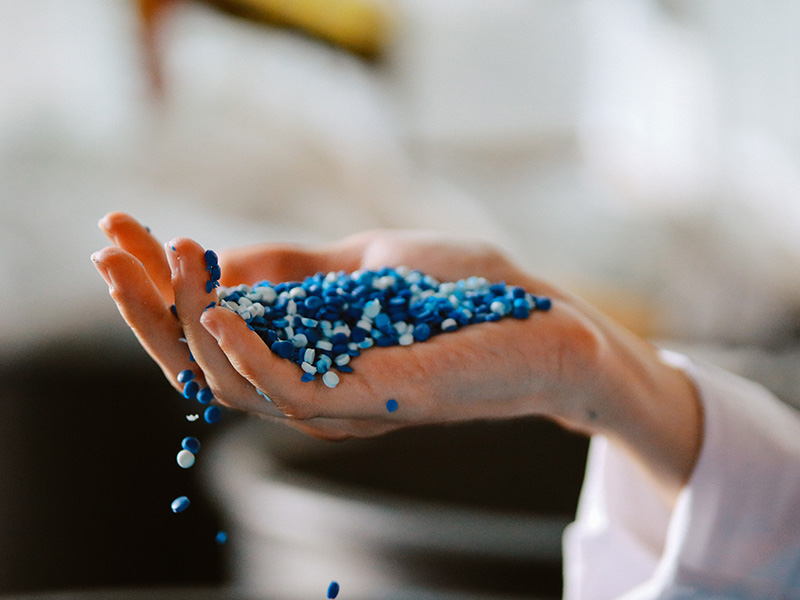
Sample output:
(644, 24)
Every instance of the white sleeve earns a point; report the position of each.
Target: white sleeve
(735, 529)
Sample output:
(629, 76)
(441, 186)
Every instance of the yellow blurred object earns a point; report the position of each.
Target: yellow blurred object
(358, 26)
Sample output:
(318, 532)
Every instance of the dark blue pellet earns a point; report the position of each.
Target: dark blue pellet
(211, 258)
(174, 310)
(212, 414)
(214, 272)
(543, 303)
(283, 349)
(205, 395)
(185, 376)
(306, 377)
(209, 286)
(339, 338)
(180, 504)
(192, 444)
(422, 332)
(333, 590)
(190, 390)
(391, 405)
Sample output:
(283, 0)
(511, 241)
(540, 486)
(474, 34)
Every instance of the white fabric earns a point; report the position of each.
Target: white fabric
(735, 529)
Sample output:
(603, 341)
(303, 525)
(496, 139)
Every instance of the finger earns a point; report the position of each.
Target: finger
(144, 310)
(193, 296)
(356, 396)
(127, 233)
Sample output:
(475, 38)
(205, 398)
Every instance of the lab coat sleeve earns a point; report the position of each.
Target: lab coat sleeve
(734, 531)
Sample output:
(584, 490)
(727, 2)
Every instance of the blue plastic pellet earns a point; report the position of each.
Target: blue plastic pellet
(205, 395)
(211, 258)
(306, 377)
(190, 390)
(283, 348)
(180, 504)
(185, 376)
(520, 309)
(543, 303)
(192, 444)
(209, 286)
(221, 537)
(391, 405)
(422, 332)
(174, 310)
(212, 414)
(333, 590)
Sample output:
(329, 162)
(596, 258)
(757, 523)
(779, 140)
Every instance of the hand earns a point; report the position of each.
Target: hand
(569, 364)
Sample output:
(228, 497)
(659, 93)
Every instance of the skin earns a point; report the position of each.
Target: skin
(570, 364)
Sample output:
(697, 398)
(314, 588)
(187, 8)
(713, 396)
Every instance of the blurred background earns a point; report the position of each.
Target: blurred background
(645, 154)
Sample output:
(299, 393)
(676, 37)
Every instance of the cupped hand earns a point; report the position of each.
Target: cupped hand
(491, 370)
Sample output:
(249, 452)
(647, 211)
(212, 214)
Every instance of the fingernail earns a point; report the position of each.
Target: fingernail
(102, 269)
(208, 321)
(173, 257)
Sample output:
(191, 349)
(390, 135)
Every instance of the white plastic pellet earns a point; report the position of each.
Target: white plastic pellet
(330, 379)
(309, 355)
(299, 340)
(372, 308)
(268, 294)
(406, 339)
(324, 345)
(449, 324)
(297, 292)
(308, 367)
(498, 307)
(342, 359)
(185, 459)
(341, 328)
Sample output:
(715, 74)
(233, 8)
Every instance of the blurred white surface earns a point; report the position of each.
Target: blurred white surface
(646, 150)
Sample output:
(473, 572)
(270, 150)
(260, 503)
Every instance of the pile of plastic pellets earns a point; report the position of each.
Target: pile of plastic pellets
(324, 321)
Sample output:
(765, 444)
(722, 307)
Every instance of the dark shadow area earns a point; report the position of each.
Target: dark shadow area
(88, 439)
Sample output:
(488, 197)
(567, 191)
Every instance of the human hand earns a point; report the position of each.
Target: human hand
(569, 364)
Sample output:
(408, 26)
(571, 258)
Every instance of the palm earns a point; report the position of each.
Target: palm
(474, 373)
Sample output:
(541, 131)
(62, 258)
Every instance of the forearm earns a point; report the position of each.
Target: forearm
(648, 408)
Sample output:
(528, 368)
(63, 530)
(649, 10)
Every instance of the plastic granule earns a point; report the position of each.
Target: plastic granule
(180, 504)
(212, 414)
(328, 318)
(185, 459)
(190, 390)
(391, 405)
(205, 395)
(333, 590)
(192, 418)
(185, 376)
(221, 537)
(192, 444)
(330, 379)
